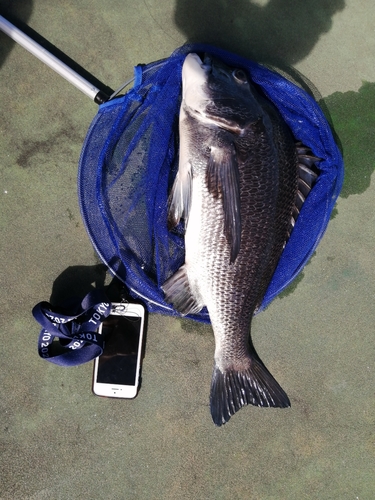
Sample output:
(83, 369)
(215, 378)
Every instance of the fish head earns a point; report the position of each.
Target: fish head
(218, 95)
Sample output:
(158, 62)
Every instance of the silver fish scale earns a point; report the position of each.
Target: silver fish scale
(231, 292)
(236, 186)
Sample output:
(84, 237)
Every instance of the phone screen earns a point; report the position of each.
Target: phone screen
(118, 363)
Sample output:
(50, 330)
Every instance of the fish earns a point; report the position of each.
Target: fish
(241, 181)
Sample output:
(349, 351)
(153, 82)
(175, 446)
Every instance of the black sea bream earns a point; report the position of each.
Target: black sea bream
(236, 188)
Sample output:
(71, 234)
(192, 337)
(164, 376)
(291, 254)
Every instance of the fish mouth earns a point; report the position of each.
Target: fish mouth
(204, 100)
(195, 68)
(207, 64)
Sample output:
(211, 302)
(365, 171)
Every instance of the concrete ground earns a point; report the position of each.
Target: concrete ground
(59, 441)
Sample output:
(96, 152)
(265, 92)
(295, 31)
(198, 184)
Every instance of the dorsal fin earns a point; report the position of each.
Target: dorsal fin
(308, 174)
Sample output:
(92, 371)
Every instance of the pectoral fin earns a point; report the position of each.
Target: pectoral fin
(180, 196)
(223, 181)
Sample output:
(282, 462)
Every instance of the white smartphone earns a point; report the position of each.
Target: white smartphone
(116, 371)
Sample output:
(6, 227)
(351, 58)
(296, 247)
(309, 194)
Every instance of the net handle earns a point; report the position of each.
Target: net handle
(52, 61)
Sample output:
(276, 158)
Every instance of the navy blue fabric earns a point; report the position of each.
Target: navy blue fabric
(78, 340)
(129, 160)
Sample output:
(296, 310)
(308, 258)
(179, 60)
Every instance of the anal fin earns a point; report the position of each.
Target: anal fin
(178, 292)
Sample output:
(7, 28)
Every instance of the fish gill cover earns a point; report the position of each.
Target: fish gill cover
(130, 158)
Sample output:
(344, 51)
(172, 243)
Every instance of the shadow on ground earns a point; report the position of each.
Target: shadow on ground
(352, 115)
(77, 281)
(280, 32)
(20, 9)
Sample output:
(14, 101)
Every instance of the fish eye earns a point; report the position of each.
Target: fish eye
(240, 76)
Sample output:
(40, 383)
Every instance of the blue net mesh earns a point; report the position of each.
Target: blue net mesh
(129, 160)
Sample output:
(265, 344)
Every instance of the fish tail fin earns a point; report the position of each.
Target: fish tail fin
(232, 389)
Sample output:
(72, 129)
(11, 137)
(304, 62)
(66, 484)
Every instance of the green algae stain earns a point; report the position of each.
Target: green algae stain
(353, 119)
